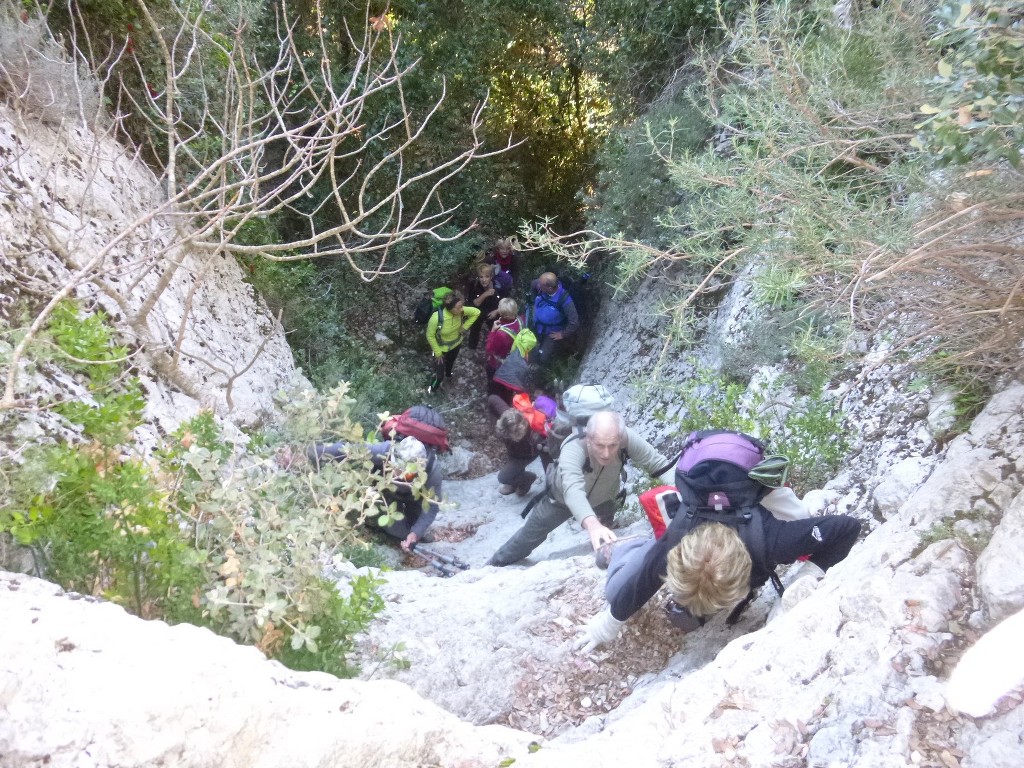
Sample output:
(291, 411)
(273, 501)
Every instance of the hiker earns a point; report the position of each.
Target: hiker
(709, 569)
(444, 334)
(523, 428)
(404, 462)
(516, 372)
(484, 294)
(552, 317)
(723, 542)
(506, 258)
(499, 341)
(584, 484)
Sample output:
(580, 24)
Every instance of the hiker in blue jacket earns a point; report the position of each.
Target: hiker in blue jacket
(552, 317)
(708, 567)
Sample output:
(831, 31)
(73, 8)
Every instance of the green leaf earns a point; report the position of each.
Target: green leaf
(945, 68)
(965, 11)
(928, 109)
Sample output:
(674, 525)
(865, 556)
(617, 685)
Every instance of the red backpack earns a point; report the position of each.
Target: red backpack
(660, 505)
(421, 422)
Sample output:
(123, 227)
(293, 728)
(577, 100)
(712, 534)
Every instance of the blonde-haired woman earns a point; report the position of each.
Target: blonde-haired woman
(484, 294)
(709, 567)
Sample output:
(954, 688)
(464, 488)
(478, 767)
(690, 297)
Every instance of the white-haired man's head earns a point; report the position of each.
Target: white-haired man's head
(605, 432)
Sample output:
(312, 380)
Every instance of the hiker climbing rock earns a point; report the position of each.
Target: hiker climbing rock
(523, 429)
(721, 543)
(584, 484)
(412, 467)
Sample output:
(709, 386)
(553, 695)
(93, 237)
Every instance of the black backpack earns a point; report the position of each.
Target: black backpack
(425, 307)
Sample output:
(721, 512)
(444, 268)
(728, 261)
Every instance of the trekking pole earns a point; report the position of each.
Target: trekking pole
(438, 566)
(446, 559)
(444, 570)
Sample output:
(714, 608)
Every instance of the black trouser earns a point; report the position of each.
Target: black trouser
(483, 324)
(443, 366)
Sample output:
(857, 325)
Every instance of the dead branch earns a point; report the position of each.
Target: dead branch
(287, 129)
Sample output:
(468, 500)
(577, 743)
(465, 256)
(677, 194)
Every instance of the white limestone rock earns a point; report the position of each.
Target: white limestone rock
(902, 480)
(991, 669)
(999, 572)
(82, 683)
(942, 412)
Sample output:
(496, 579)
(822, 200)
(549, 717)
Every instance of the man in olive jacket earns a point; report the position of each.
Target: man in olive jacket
(584, 484)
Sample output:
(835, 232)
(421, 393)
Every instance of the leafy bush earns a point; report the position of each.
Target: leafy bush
(201, 531)
(87, 343)
(978, 112)
(809, 429)
(104, 528)
(633, 183)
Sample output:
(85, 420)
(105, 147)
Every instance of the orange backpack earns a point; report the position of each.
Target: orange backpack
(537, 419)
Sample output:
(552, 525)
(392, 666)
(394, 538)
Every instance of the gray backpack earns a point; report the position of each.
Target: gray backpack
(580, 402)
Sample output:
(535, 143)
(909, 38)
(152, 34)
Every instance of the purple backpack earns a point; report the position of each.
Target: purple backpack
(711, 474)
(713, 482)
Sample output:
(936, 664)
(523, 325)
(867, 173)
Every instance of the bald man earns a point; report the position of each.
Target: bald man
(552, 317)
(585, 483)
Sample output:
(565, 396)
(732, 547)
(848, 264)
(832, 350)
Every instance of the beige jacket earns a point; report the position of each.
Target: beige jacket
(580, 485)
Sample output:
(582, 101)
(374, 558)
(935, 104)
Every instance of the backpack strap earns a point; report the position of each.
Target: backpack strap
(752, 535)
(533, 502)
(672, 462)
(560, 304)
(531, 312)
(440, 324)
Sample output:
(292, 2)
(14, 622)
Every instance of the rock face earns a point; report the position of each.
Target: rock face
(84, 216)
(853, 674)
(82, 683)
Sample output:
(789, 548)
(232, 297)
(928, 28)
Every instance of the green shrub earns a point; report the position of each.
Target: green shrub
(809, 428)
(977, 107)
(104, 528)
(200, 531)
(339, 620)
(87, 343)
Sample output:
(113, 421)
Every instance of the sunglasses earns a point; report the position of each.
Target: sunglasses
(680, 618)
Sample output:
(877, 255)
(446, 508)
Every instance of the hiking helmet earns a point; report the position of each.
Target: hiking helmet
(771, 471)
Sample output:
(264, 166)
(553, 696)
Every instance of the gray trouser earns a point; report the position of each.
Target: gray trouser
(513, 470)
(543, 519)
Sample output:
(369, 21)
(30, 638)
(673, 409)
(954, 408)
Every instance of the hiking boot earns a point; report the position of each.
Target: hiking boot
(505, 489)
(524, 485)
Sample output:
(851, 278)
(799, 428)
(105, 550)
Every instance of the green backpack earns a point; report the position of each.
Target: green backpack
(426, 306)
(523, 341)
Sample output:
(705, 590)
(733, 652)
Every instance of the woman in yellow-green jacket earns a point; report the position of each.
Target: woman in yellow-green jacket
(444, 334)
